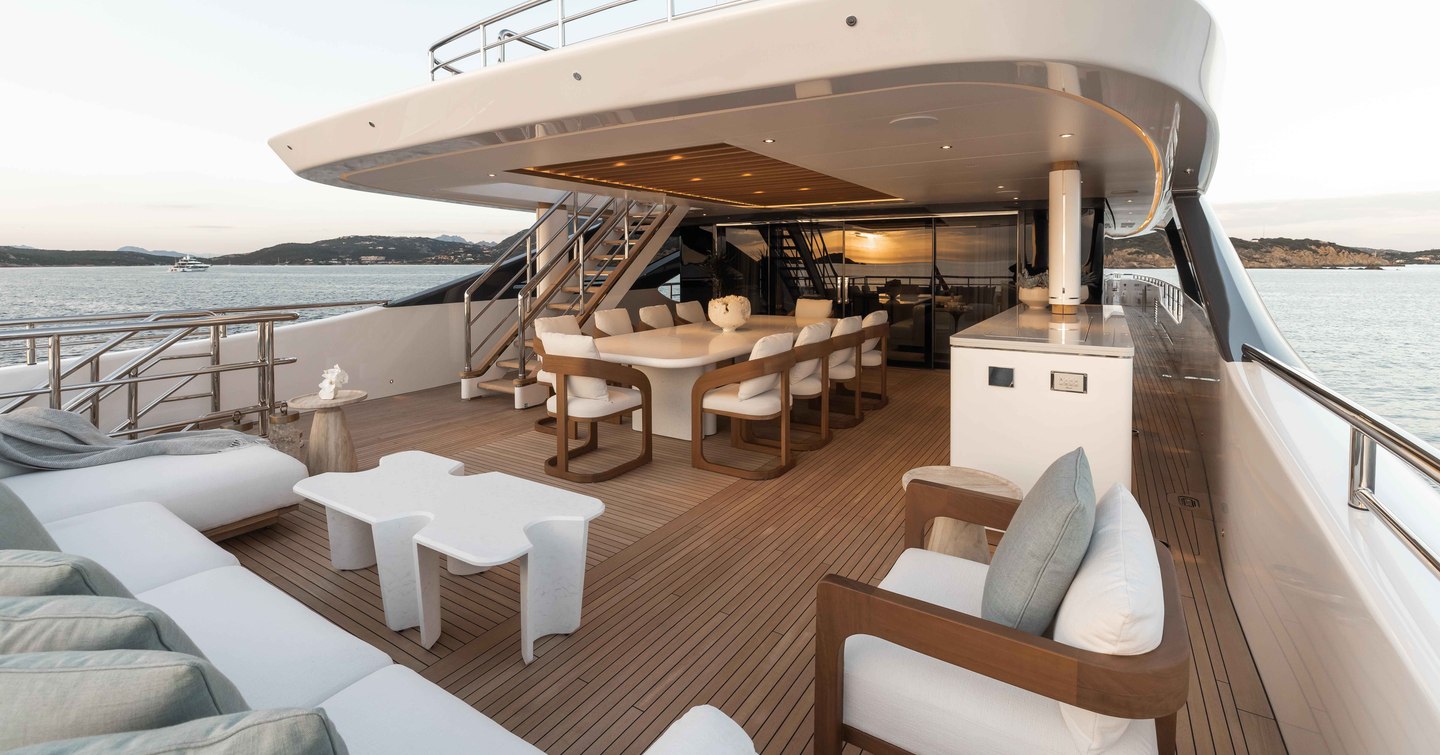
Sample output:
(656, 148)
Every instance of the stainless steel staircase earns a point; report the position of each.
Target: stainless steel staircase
(802, 260)
(565, 273)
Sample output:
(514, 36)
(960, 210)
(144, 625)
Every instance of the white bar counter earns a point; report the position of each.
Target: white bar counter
(1027, 386)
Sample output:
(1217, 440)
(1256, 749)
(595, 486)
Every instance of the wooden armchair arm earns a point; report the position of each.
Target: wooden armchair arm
(774, 364)
(925, 500)
(582, 367)
(1150, 685)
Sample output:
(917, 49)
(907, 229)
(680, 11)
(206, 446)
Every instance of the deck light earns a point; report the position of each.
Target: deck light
(1066, 136)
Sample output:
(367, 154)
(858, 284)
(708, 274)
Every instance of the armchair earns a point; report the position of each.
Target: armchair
(582, 395)
(758, 389)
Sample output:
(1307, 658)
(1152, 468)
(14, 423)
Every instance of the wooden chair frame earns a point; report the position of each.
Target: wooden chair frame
(559, 464)
(838, 343)
(870, 399)
(820, 429)
(1152, 685)
(775, 364)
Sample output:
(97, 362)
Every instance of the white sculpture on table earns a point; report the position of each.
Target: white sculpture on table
(331, 381)
(729, 312)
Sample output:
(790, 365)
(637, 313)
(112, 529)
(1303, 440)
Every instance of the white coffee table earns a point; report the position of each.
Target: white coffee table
(415, 507)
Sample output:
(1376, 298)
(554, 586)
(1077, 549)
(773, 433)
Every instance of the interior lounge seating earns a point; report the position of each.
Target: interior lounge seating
(1071, 640)
(655, 317)
(583, 396)
(129, 597)
(612, 322)
(807, 309)
(222, 494)
(690, 312)
(568, 324)
(754, 390)
(845, 368)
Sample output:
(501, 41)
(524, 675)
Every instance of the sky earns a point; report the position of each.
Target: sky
(144, 122)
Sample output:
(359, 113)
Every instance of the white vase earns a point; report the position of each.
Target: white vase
(729, 312)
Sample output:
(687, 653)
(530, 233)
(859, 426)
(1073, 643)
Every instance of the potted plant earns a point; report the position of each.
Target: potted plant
(1033, 290)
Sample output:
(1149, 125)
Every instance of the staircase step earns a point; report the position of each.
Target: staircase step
(514, 364)
(561, 306)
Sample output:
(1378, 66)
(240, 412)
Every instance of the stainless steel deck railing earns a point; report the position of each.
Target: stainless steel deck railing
(1171, 298)
(533, 18)
(1367, 431)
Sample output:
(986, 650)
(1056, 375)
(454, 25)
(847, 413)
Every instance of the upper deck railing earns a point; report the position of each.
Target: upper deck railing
(540, 25)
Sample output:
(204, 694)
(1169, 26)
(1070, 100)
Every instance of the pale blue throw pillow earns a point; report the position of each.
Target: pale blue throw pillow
(24, 573)
(87, 622)
(64, 695)
(18, 526)
(291, 731)
(1041, 551)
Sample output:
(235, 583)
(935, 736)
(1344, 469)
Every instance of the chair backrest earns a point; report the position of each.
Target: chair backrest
(575, 345)
(812, 333)
(845, 327)
(657, 316)
(559, 324)
(878, 317)
(769, 346)
(614, 322)
(690, 311)
(813, 309)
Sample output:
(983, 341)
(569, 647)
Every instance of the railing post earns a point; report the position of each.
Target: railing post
(520, 337)
(30, 346)
(95, 400)
(266, 347)
(1362, 469)
(560, 20)
(132, 401)
(215, 362)
(53, 356)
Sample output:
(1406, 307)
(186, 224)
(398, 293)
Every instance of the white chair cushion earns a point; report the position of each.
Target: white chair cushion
(809, 387)
(922, 704)
(657, 316)
(1115, 605)
(619, 400)
(808, 309)
(569, 345)
(771, 345)
(204, 490)
(812, 333)
(279, 653)
(396, 710)
(143, 544)
(614, 321)
(727, 399)
(845, 327)
(703, 730)
(558, 324)
(844, 371)
(690, 311)
(874, 318)
(871, 358)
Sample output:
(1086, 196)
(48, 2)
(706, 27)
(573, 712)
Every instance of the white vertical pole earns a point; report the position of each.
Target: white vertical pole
(1065, 237)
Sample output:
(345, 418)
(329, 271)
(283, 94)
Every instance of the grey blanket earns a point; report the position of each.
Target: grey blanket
(52, 439)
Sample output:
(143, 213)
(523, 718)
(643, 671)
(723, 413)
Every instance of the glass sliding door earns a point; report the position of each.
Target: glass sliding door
(975, 259)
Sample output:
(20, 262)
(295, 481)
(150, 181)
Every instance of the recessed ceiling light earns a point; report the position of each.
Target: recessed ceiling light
(746, 175)
(492, 175)
(697, 178)
(944, 146)
(1129, 200)
(804, 188)
(759, 192)
(1066, 136)
(769, 141)
(620, 164)
(1001, 186)
(677, 157)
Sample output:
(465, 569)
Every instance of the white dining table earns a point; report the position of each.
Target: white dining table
(674, 358)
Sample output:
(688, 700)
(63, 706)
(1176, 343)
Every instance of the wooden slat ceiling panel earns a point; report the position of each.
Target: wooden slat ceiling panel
(715, 173)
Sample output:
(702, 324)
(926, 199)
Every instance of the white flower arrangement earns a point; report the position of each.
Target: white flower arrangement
(729, 312)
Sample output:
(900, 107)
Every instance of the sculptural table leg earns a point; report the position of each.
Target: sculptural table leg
(352, 546)
(329, 448)
(552, 581)
(400, 575)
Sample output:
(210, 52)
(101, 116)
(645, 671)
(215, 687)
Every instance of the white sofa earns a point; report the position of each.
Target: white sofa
(206, 491)
(279, 653)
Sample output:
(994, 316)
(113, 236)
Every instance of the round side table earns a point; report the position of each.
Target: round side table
(952, 536)
(329, 448)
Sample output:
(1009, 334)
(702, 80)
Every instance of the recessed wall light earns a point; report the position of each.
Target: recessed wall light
(944, 146)
(769, 141)
(1066, 136)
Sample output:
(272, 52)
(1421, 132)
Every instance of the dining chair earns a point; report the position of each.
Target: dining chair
(754, 390)
(845, 368)
(655, 317)
(613, 322)
(583, 396)
(873, 352)
(690, 312)
(813, 309)
(568, 324)
(809, 380)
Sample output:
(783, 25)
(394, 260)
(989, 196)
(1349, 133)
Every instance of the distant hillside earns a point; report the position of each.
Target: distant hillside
(368, 250)
(14, 256)
(1152, 250)
(156, 252)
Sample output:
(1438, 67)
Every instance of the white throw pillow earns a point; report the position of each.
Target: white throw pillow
(874, 318)
(767, 346)
(1115, 605)
(813, 309)
(690, 311)
(569, 345)
(812, 333)
(657, 316)
(560, 324)
(615, 322)
(845, 327)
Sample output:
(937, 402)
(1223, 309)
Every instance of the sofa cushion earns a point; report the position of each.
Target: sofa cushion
(557, 324)
(205, 490)
(1042, 549)
(1116, 604)
(703, 730)
(292, 731)
(618, 400)
(143, 544)
(87, 622)
(63, 695)
(769, 346)
(583, 347)
(279, 653)
(396, 710)
(923, 704)
(726, 398)
(25, 573)
(19, 528)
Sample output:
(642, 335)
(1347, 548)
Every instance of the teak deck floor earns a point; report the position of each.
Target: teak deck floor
(701, 587)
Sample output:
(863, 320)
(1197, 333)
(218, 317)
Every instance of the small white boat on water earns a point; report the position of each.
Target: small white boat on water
(188, 264)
